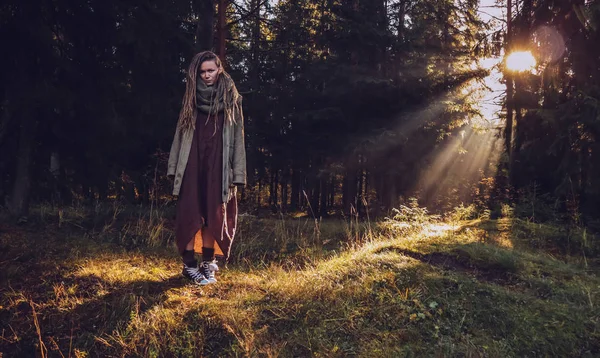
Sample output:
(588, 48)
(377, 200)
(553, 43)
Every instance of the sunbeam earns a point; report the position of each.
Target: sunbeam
(469, 155)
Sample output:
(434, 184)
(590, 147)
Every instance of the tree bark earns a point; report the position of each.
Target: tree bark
(323, 208)
(401, 16)
(284, 193)
(275, 187)
(349, 191)
(509, 87)
(314, 200)
(332, 192)
(222, 30)
(295, 199)
(258, 194)
(360, 193)
(19, 200)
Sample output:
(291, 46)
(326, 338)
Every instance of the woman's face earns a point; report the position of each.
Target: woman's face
(209, 72)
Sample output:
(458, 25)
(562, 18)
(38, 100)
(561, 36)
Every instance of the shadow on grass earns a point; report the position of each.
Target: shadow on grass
(41, 297)
(459, 260)
(563, 240)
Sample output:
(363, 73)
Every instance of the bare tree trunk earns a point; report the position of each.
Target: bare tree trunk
(509, 86)
(584, 163)
(304, 192)
(143, 189)
(382, 26)
(360, 193)
(314, 201)
(401, 16)
(276, 189)
(323, 211)
(349, 190)
(19, 200)
(366, 192)
(205, 30)
(222, 29)
(295, 199)
(258, 194)
(332, 192)
(518, 129)
(284, 193)
(55, 171)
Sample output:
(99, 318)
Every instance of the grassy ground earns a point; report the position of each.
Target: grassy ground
(106, 284)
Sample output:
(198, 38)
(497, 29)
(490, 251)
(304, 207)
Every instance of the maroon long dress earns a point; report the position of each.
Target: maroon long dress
(200, 201)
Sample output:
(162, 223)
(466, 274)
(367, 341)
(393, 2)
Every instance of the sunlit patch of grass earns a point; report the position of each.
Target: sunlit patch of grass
(114, 268)
(296, 287)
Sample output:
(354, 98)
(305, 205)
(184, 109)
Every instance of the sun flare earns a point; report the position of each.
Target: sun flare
(520, 61)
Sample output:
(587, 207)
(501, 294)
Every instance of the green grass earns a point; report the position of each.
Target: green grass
(293, 287)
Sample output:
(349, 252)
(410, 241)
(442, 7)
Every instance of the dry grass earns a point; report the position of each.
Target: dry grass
(413, 285)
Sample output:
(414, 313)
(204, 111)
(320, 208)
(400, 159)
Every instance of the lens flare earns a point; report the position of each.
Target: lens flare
(550, 44)
(520, 61)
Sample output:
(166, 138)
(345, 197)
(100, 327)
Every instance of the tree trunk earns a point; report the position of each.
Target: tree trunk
(222, 30)
(323, 211)
(349, 191)
(401, 16)
(205, 30)
(119, 185)
(314, 200)
(382, 26)
(584, 161)
(103, 188)
(332, 192)
(55, 172)
(366, 193)
(258, 193)
(275, 190)
(509, 86)
(19, 201)
(295, 199)
(360, 193)
(143, 189)
(284, 193)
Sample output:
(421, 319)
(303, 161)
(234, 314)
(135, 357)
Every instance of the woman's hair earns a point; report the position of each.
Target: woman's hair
(224, 88)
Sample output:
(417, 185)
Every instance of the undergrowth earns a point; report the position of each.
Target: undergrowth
(107, 283)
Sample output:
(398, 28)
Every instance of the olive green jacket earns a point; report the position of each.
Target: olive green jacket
(234, 157)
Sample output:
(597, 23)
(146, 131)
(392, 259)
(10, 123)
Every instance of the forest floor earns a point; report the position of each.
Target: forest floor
(108, 283)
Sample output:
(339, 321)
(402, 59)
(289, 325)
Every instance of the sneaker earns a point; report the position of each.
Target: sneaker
(194, 274)
(208, 269)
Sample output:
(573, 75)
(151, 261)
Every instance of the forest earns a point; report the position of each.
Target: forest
(459, 134)
(347, 104)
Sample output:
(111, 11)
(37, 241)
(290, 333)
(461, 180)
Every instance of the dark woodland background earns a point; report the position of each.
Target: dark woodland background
(350, 106)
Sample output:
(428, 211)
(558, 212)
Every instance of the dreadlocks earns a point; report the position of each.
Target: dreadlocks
(225, 92)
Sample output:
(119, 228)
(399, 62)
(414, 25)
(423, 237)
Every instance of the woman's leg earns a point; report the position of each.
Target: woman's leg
(208, 239)
(190, 245)
(188, 254)
(208, 266)
(191, 269)
(208, 245)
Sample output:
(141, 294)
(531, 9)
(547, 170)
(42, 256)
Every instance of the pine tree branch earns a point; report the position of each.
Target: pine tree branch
(248, 14)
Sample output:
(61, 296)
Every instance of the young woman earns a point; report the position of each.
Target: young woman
(207, 162)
